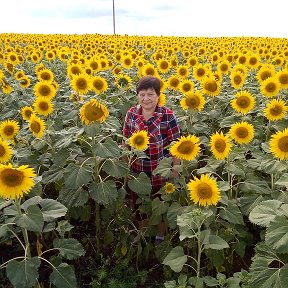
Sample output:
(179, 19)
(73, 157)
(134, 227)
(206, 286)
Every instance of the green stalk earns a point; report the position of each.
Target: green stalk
(17, 203)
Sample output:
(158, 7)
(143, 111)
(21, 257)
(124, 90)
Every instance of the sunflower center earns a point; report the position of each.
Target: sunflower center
(150, 71)
(174, 82)
(283, 144)
(186, 87)
(265, 74)
(237, 79)
(2, 151)
(98, 85)
(28, 113)
(242, 132)
(164, 65)
(93, 113)
(12, 177)
(276, 110)
(211, 86)
(44, 90)
(138, 140)
(43, 106)
(45, 76)
(270, 87)
(81, 83)
(224, 67)
(204, 191)
(283, 79)
(182, 71)
(243, 102)
(35, 127)
(220, 145)
(200, 72)
(193, 102)
(8, 130)
(186, 147)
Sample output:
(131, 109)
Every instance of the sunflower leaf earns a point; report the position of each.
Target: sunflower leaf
(63, 276)
(69, 248)
(104, 193)
(175, 259)
(140, 185)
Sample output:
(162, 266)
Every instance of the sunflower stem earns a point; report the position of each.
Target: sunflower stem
(272, 181)
(17, 203)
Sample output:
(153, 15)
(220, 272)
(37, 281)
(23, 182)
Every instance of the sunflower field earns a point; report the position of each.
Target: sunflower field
(64, 218)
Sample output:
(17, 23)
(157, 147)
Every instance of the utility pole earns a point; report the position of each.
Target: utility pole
(113, 17)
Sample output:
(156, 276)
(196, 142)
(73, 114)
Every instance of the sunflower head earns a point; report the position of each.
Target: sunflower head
(210, 86)
(186, 148)
(270, 87)
(93, 111)
(9, 129)
(220, 145)
(193, 100)
(276, 109)
(43, 106)
(244, 102)
(15, 181)
(279, 144)
(169, 187)
(5, 151)
(242, 132)
(139, 140)
(204, 190)
(36, 126)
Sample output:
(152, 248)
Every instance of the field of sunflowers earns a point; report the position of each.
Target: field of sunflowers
(64, 218)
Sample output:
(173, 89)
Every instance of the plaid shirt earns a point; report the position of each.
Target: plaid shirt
(162, 129)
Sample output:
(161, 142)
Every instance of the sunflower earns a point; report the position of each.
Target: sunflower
(169, 187)
(94, 64)
(45, 75)
(93, 111)
(163, 65)
(183, 71)
(26, 112)
(244, 102)
(5, 151)
(127, 61)
(148, 69)
(220, 145)
(210, 86)
(173, 82)
(192, 61)
(199, 72)
(275, 110)
(99, 84)
(186, 148)
(253, 61)
(242, 132)
(270, 87)
(279, 144)
(139, 140)
(237, 79)
(194, 100)
(266, 71)
(81, 83)
(9, 129)
(5, 86)
(46, 89)
(43, 106)
(123, 81)
(282, 76)
(223, 67)
(36, 126)
(186, 86)
(204, 191)
(74, 69)
(15, 181)
(24, 82)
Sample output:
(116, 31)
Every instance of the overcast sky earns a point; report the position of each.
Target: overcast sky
(211, 18)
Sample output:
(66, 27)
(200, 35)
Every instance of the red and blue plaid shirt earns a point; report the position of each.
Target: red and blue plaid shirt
(162, 129)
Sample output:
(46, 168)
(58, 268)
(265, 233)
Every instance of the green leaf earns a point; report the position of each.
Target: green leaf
(277, 234)
(175, 259)
(232, 214)
(73, 197)
(283, 180)
(63, 276)
(115, 168)
(272, 166)
(32, 219)
(216, 242)
(69, 248)
(54, 174)
(164, 167)
(265, 212)
(23, 274)
(104, 193)
(141, 185)
(52, 209)
(76, 176)
(235, 169)
(107, 149)
(61, 157)
(173, 211)
(255, 186)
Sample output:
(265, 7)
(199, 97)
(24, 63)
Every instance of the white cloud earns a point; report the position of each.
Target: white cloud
(149, 17)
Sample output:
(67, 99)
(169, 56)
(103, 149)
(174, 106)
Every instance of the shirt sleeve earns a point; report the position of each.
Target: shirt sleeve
(173, 131)
(126, 127)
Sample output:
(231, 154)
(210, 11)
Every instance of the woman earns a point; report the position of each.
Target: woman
(161, 125)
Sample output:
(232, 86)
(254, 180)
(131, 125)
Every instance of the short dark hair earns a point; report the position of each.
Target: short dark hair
(147, 82)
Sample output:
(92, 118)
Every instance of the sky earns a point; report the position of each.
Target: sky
(191, 18)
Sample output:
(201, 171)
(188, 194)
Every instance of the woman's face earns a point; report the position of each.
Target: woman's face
(148, 99)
